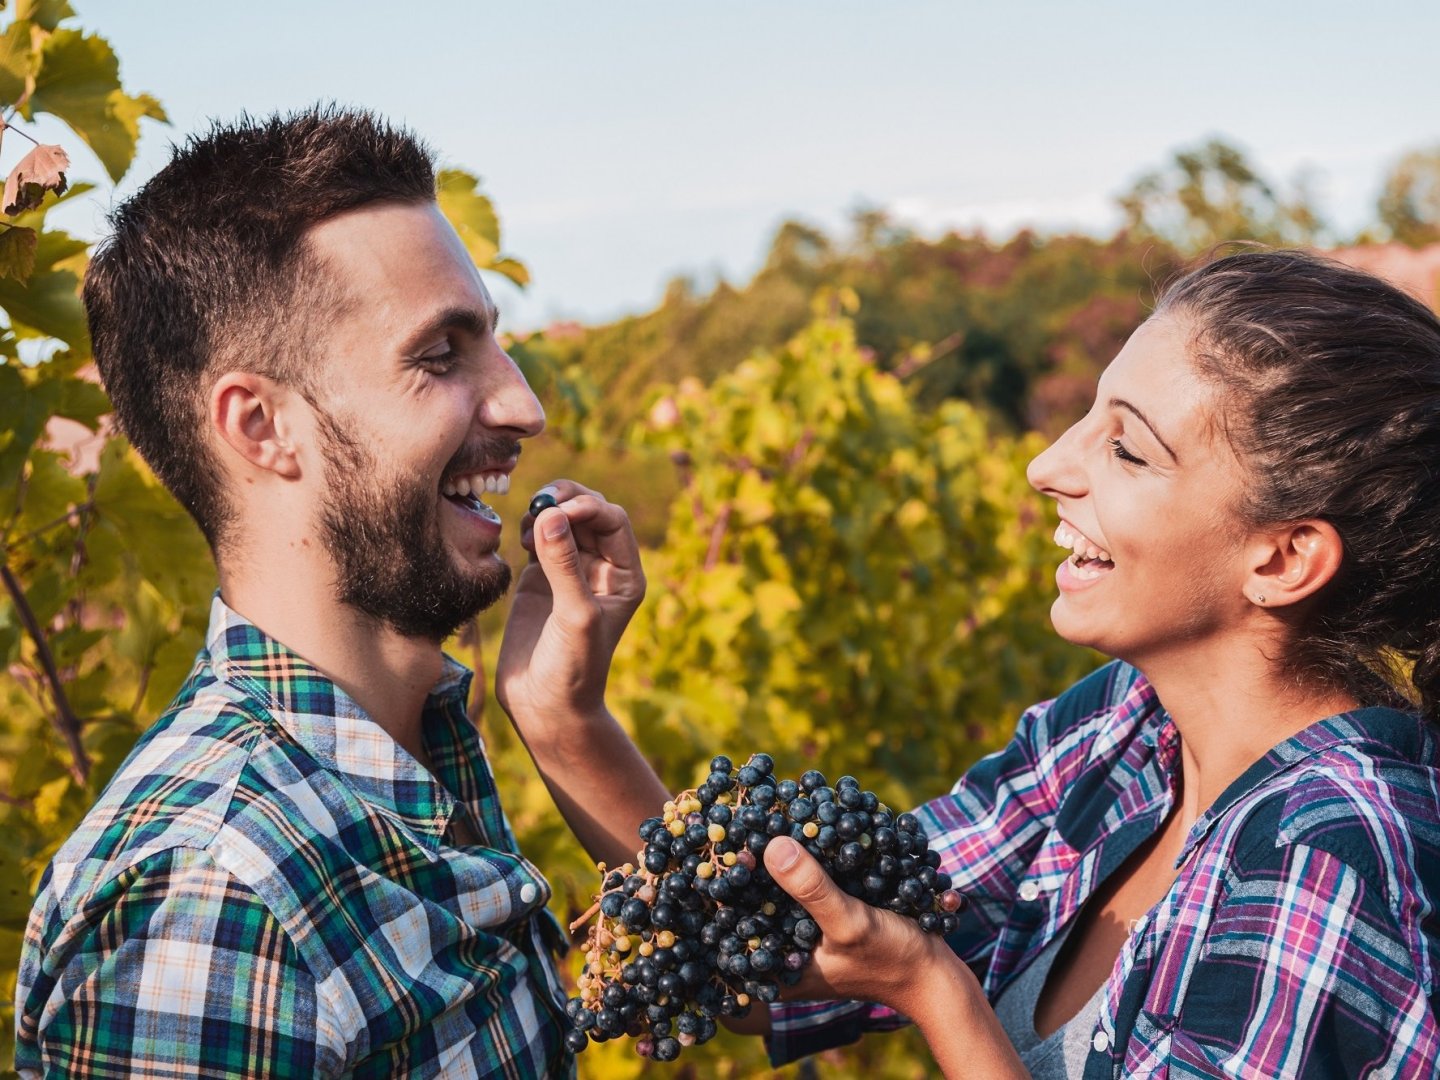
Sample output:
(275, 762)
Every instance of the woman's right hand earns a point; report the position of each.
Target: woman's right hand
(866, 953)
(871, 954)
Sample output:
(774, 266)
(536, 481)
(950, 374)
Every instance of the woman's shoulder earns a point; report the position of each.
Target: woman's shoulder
(1364, 789)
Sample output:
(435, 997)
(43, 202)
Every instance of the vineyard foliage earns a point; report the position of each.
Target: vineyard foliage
(846, 565)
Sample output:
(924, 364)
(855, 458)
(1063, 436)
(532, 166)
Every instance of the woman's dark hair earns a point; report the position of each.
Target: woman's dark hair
(207, 271)
(1330, 383)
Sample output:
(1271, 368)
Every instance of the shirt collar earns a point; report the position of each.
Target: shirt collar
(334, 730)
(1386, 733)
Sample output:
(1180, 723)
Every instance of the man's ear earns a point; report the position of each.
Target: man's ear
(1292, 562)
(249, 413)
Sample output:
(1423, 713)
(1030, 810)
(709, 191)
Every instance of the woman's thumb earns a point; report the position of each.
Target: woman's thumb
(795, 871)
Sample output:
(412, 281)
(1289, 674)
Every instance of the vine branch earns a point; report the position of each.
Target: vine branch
(66, 723)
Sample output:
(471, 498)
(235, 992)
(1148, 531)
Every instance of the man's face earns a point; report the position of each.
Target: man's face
(418, 403)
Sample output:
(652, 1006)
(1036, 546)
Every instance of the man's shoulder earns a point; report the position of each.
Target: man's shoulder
(173, 791)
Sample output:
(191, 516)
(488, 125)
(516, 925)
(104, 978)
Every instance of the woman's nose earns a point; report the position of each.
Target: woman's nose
(1056, 470)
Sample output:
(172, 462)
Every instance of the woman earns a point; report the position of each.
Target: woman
(1219, 854)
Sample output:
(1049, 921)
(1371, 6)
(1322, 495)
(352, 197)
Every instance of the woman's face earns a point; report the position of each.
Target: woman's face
(1145, 484)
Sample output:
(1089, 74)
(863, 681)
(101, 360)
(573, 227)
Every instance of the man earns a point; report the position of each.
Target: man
(304, 869)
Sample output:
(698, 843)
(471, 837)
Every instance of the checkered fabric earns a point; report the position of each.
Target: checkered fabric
(268, 887)
(1300, 938)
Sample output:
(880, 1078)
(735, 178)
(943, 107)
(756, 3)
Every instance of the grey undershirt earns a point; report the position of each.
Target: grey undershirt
(1062, 1055)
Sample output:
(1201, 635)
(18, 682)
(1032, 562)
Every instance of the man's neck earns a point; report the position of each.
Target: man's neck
(387, 674)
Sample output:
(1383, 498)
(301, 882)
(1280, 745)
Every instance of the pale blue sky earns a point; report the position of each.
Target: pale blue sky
(630, 140)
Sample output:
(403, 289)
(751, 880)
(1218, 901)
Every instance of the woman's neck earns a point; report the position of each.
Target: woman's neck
(1231, 707)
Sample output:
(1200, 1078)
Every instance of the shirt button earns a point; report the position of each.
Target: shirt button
(1029, 891)
(1101, 1042)
(528, 892)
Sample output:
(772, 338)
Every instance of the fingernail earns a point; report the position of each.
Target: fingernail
(556, 525)
(786, 852)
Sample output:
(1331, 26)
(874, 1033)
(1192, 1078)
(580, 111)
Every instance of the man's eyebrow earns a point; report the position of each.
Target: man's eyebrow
(1121, 403)
(472, 321)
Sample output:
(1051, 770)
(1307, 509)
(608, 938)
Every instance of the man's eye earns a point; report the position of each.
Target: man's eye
(436, 363)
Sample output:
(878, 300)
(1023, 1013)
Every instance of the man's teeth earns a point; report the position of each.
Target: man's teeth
(1067, 537)
(485, 483)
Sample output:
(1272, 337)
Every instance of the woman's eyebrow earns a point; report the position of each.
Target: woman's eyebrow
(1121, 403)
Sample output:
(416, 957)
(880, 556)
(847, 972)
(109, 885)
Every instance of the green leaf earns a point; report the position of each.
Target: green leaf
(17, 253)
(15, 898)
(17, 61)
(48, 305)
(82, 401)
(79, 81)
(46, 13)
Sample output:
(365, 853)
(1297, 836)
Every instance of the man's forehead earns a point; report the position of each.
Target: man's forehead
(402, 256)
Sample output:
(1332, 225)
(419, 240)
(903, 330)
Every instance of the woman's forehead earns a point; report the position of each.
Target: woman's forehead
(1155, 375)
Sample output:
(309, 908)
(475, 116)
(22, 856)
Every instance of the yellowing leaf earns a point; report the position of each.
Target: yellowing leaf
(39, 171)
(473, 216)
(774, 600)
(48, 800)
(17, 253)
(44, 13)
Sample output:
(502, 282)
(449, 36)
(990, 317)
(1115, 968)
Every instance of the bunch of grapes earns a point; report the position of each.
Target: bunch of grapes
(696, 929)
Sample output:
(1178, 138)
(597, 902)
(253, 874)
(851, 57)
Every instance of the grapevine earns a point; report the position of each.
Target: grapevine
(696, 929)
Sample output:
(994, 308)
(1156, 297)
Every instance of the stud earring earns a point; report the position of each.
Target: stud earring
(1259, 597)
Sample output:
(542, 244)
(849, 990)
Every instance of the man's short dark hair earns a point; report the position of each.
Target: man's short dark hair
(207, 271)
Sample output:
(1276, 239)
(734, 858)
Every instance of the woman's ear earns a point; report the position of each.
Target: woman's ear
(248, 412)
(1293, 562)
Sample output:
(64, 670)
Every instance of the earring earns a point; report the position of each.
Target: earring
(1259, 597)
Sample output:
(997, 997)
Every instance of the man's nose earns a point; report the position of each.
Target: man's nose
(508, 402)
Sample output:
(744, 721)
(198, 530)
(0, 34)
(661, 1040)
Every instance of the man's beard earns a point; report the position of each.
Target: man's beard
(384, 535)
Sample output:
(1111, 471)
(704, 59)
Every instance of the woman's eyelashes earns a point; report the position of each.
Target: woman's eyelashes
(1118, 449)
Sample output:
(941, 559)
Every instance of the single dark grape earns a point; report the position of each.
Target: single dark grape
(540, 502)
(576, 1041)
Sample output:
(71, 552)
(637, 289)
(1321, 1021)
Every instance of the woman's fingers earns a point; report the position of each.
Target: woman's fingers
(837, 914)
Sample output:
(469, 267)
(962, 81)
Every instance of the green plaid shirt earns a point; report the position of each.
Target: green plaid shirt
(267, 887)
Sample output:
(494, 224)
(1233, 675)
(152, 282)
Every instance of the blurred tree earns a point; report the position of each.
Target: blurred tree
(1409, 205)
(1211, 194)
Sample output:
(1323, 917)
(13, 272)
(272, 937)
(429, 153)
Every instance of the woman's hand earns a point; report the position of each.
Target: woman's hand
(572, 603)
(865, 952)
(875, 955)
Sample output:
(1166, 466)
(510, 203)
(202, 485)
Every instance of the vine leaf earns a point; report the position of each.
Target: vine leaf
(473, 217)
(16, 62)
(79, 81)
(39, 171)
(17, 253)
(44, 13)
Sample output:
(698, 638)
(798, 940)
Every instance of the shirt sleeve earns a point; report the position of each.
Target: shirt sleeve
(987, 830)
(1305, 972)
(173, 969)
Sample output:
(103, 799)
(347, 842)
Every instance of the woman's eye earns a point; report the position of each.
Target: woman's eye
(1118, 449)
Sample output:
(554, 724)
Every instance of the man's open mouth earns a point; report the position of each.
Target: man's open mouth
(1088, 558)
(465, 491)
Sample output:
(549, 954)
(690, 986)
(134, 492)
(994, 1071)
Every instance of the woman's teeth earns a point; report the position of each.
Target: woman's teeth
(1084, 550)
(492, 483)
